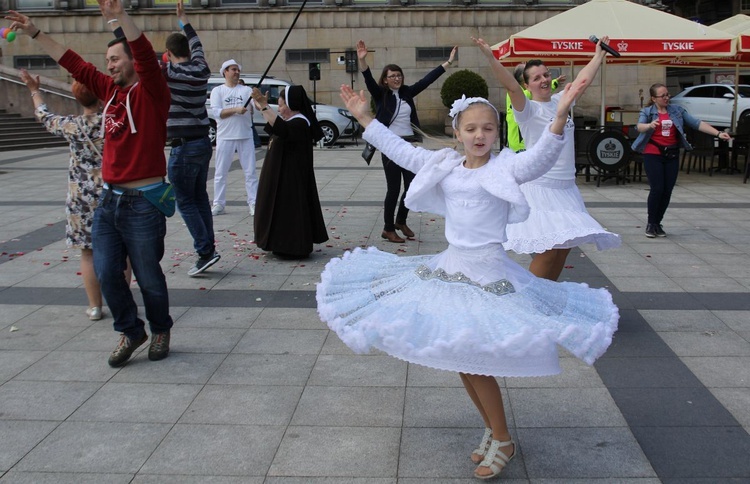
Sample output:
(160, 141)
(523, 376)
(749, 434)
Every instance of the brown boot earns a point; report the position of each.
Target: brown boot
(405, 230)
(392, 237)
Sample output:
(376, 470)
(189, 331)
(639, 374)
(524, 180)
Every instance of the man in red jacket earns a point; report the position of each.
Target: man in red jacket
(126, 224)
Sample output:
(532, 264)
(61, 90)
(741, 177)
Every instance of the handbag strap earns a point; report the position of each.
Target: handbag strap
(82, 128)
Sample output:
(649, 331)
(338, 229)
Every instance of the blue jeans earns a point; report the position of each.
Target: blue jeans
(188, 171)
(662, 177)
(127, 226)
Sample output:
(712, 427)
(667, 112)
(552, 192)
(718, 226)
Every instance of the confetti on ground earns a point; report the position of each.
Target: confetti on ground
(569, 267)
(258, 299)
(13, 329)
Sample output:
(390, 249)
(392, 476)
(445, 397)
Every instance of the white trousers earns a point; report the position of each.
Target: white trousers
(225, 150)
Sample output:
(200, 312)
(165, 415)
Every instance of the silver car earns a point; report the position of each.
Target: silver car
(713, 103)
(334, 121)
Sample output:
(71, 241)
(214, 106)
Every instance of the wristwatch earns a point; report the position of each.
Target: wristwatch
(264, 109)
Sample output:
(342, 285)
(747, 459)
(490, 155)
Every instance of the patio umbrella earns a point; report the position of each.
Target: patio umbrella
(738, 26)
(641, 35)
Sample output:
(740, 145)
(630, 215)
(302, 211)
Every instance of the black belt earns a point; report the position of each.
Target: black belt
(116, 191)
(175, 142)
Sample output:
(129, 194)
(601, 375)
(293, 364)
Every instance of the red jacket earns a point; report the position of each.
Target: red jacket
(129, 156)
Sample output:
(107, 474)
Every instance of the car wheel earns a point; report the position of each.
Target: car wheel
(212, 132)
(744, 118)
(330, 133)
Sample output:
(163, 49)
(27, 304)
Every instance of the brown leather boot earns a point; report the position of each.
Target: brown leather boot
(405, 230)
(392, 237)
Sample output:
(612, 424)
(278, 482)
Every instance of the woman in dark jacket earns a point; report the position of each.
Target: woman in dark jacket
(662, 133)
(288, 218)
(394, 104)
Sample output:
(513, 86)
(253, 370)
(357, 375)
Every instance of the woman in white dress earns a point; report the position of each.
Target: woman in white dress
(558, 220)
(469, 309)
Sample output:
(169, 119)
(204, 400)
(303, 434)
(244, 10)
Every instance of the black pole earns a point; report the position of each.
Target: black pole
(262, 78)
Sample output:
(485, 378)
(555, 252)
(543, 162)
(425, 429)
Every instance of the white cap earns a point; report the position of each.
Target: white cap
(227, 64)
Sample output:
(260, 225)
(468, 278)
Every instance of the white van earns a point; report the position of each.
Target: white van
(334, 121)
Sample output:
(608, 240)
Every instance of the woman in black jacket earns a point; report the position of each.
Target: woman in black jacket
(394, 104)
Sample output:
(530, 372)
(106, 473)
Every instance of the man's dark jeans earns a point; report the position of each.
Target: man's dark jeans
(130, 226)
(188, 171)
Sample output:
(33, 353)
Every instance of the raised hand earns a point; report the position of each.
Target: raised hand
(31, 82)
(484, 47)
(260, 99)
(181, 16)
(357, 104)
(453, 54)
(361, 50)
(111, 8)
(21, 23)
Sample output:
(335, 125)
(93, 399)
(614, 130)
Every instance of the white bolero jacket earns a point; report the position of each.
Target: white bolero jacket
(507, 170)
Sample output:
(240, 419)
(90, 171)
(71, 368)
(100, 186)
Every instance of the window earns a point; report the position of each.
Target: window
(38, 4)
(165, 3)
(433, 54)
(239, 2)
(705, 91)
(745, 5)
(34, 62)
(303, 56)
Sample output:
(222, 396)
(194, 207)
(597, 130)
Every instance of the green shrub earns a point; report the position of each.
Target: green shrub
(463, 82)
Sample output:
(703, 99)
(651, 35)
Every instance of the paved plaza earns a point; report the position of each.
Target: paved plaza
(257, 389)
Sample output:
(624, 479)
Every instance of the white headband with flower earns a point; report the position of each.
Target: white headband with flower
(460, 105)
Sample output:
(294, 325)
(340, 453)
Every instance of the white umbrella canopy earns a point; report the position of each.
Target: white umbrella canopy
(641, 35)
(638, 32)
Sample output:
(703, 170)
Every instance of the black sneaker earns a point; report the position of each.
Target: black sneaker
(659, 230)
(124, 349)
(203, 263)
(159, 347)
(651, 230)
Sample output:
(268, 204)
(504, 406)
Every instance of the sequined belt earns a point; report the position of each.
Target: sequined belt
(498, 288)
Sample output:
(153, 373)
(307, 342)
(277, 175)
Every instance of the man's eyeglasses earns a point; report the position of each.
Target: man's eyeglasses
(663, 96)
(395, 76)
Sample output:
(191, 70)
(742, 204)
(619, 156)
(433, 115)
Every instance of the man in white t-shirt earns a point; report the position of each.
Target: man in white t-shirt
(234, 133)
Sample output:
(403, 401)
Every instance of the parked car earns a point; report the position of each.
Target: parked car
(334, 121)
(713, 103)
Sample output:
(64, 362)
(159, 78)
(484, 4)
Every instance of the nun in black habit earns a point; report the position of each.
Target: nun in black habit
(288, 219)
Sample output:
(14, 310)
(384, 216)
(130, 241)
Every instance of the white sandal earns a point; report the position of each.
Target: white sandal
(483, 446)
(495, 459)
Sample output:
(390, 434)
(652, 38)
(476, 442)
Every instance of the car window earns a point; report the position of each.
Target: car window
(703, 91)
(721, 91)
(744, 91)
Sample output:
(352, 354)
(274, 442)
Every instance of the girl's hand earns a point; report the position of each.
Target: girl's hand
(724, 135)
(357, 104)
(654, 124)
(571, 92)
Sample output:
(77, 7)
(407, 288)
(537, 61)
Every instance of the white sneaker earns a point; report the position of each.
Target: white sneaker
(94, 313)
(217, 210)
(252, 210)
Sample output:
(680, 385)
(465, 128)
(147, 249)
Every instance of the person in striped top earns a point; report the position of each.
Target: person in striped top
(187, 74)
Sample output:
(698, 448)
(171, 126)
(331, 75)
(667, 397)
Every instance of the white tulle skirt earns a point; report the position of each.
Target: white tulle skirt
(558, 220)
(468, 310)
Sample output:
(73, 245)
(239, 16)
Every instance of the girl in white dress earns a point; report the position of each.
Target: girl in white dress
(558, 220)
(470, 308)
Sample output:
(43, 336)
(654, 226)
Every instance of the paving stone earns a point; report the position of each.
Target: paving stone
(42, 400)
(70, 366)
(15, 477)
(342, 370)
(100, 447)
(215, 450)
(137, 402)
(264, 370)
(328, 451)
(564, 407)
(577, 453)
(18, 437)
(281, 341)
(350, 407)
(243, 405)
